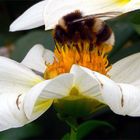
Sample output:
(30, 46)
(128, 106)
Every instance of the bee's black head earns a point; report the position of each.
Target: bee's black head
(59, 34)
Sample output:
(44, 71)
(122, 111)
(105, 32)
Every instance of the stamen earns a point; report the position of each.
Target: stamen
(80, 54)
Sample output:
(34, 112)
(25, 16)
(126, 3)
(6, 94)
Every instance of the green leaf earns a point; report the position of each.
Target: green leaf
(123, 30)
(30, 130)
(136, 27)
(24, 44)
(70, 136)
(135, 21)
(124, 52)
(73, 135)
(127, 40)
(66, 136)
(87, 127)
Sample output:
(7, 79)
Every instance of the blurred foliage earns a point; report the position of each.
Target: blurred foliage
(85, 128)
(127, 34)
(24, 44)
(21, 133)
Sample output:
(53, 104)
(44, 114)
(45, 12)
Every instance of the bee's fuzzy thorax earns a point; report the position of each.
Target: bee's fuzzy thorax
(72, 16)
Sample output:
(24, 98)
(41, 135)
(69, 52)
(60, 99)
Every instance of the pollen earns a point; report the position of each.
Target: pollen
(80, 54)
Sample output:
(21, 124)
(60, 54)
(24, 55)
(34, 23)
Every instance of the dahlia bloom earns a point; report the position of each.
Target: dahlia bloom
(26, 95)
(72, 79)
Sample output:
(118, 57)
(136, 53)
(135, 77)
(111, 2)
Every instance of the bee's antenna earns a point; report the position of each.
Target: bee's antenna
(107, 14)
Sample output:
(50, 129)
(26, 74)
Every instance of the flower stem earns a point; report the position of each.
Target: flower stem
(72, 122)
(73, 135)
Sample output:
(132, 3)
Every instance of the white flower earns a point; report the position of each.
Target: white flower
(48, 12)
(24, 95)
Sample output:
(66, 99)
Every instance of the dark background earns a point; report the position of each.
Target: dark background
(48, 126)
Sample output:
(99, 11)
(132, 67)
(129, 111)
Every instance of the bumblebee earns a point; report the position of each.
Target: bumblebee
(75, 27)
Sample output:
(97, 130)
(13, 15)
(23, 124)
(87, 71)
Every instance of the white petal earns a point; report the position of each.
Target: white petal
(38, 57)
(31, 18)
(132, 5)
(54, 10)
(127, 69)
(15, 81)
(40, 97)
(11, 105)
(86, 84)
(130, 99)
(109, 90)
(111, 93)
(11, 71)
(123, 99)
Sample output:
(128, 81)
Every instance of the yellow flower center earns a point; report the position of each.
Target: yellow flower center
(122, 2)
(94, 58)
